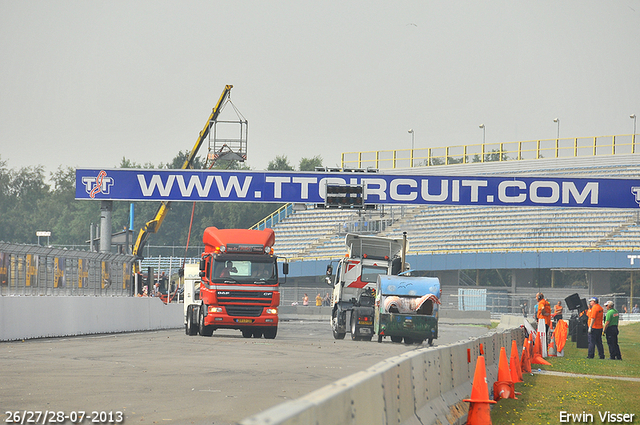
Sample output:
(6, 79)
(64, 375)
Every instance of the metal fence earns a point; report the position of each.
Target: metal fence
(573, 147)
(37, 270)
(294, 295)
(497, 301)
(167, 265)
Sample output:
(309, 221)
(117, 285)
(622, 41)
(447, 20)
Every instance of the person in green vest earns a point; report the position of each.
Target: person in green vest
(611, 331)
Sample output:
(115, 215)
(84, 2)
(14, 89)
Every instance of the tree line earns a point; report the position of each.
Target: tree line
(31, 201)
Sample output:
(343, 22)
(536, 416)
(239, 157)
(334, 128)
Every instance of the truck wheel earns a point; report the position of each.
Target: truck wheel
(190, 328)
(186, 325)
(334, 326)
(408, 340)
(396, 339)
(246, 333)
(257, 333)
(204, 330)
(270, 333)
(353, 331)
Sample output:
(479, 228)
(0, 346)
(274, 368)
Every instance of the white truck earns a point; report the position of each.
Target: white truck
(355, 281)
(191, 285)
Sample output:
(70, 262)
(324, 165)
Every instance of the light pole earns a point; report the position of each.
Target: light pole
(558, 121)
(412, 143)
(483, 132)
(633, 136)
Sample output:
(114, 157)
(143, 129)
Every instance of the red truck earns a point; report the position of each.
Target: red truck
(238, 286)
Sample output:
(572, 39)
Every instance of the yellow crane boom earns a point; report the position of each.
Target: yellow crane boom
(153, 225)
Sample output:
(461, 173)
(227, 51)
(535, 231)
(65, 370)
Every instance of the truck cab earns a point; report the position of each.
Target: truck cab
(355, 281)
(238, 284)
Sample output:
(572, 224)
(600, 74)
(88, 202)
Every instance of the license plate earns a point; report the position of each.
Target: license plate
(244, 321)
(364, 322)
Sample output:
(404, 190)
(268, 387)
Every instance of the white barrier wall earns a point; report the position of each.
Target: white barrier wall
(37, 317)
(424, 386)
(448, 316)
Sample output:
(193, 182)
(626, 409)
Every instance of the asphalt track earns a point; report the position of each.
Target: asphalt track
(169, 377)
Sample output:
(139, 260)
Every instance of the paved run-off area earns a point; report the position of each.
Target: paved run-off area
(168, 377)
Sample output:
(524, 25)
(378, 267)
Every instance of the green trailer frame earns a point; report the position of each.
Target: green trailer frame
(413, 328)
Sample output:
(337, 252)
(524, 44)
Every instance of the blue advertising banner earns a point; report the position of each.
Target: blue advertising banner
(310, 187)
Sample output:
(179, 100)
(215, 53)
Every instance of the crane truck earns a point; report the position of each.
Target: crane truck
(237, 285)
(368, 294)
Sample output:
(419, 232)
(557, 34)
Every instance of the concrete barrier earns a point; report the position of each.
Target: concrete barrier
(459, 317)
(425, 386)
(301, 312)
(508, 321)
(38, 317)
(25, 317)
(446, 316)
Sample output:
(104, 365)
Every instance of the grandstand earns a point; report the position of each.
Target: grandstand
(447, 241)
(319, 233)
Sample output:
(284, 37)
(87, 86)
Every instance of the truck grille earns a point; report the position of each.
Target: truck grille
(244, 310)
(245, 297)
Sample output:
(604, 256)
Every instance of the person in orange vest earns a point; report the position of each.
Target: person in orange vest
(544, 310)
(595, 329)
(557, 311)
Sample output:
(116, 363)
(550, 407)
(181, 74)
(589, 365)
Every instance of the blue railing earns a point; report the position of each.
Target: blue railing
(275, 218)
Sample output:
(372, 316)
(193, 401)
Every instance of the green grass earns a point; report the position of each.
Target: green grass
(544, 396)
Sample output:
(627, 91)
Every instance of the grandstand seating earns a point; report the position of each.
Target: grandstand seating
(320, 233)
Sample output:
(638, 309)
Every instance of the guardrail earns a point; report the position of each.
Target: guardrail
(489, 152)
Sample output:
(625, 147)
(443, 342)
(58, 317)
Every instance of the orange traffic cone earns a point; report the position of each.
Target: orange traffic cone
(537, 353)
(479, 411)
(551, 349)
(503, 387)
(526, 360)
(514, 364)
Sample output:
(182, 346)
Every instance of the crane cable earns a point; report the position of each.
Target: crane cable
(184, 260)
(193, 208)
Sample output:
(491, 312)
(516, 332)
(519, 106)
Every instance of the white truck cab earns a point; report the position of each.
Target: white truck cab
(355, 281)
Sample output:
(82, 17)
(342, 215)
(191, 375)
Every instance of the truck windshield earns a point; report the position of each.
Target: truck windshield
(242, 270)
(370, 273)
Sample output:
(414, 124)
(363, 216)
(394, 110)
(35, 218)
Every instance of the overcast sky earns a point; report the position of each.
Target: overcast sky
(85, 83)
